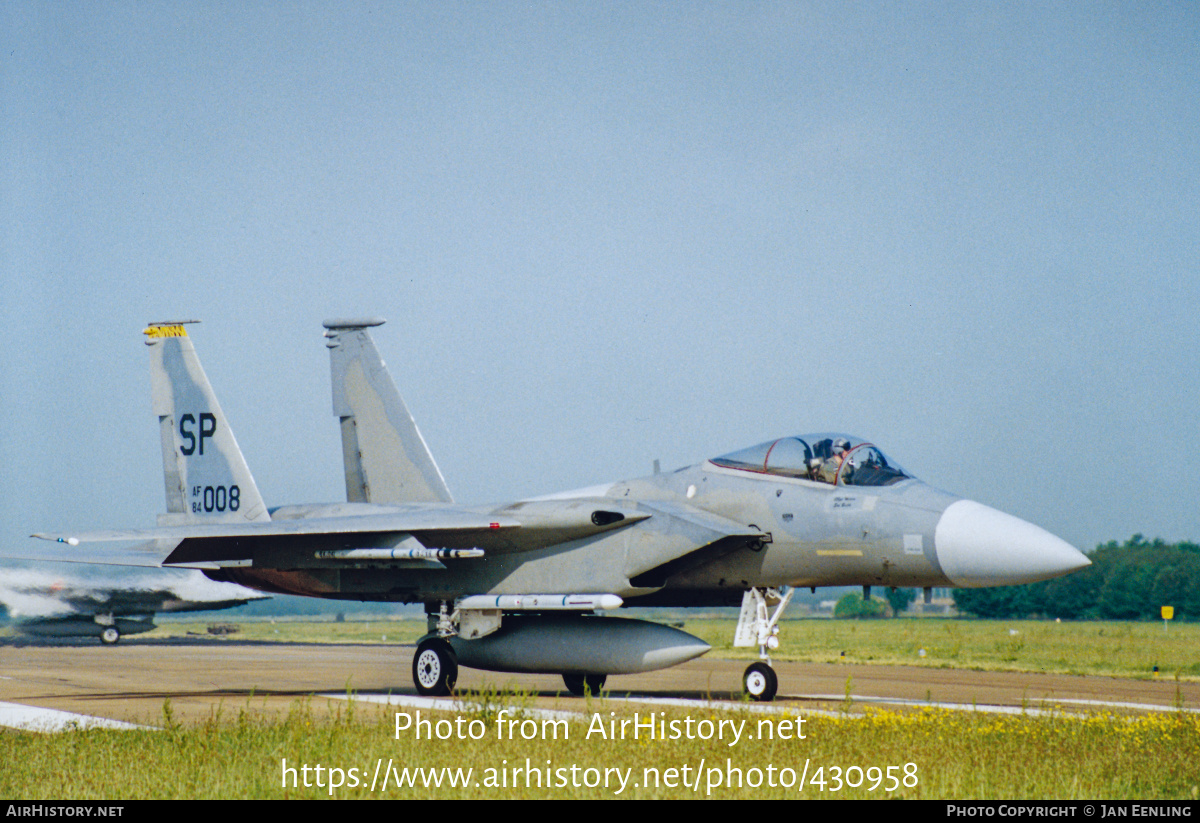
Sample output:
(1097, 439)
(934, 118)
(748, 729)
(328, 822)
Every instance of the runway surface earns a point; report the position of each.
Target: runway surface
(201, 677)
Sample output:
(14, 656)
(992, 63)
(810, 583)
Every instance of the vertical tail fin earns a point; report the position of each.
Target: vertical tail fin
(386, 459)
(207, 479)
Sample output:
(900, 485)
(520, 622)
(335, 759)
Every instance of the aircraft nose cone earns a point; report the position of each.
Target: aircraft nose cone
(980, 546)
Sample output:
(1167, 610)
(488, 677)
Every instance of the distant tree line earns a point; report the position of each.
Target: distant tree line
(853, 605)
(1126, 581)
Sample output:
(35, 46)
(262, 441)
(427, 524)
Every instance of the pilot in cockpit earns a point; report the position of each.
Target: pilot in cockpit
(829, 469)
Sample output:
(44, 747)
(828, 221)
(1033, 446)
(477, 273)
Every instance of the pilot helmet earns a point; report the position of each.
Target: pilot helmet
(840, 445)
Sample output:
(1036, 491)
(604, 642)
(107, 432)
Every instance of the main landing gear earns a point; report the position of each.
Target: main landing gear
(757, 626)
(435, 667)
(581, 684)
(109, 633)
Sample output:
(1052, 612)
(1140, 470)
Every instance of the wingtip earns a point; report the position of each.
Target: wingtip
(70, 541)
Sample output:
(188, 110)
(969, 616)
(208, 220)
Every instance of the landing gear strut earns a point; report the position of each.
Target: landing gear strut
(758, 627)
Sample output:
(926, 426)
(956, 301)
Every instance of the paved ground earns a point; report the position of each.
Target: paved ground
(131, 681)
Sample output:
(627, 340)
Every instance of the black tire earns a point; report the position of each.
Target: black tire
(579, 684)
(435, 668)
(109, 635)
(760, 682)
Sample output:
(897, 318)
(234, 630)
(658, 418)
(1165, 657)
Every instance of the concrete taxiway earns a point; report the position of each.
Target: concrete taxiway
(202, 677)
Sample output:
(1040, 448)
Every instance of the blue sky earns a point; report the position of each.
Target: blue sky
(606, 233)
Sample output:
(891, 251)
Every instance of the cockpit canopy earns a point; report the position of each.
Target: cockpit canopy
(837, 459)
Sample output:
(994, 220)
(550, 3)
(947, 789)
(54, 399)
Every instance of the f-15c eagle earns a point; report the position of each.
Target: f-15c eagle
(528, 586)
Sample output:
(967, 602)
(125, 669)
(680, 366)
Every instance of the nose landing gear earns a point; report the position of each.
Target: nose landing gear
(760, 681)
(757, 626)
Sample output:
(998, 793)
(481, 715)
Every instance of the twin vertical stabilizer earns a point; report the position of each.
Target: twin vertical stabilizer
(385, 457)
(206, 476)
(207, 479)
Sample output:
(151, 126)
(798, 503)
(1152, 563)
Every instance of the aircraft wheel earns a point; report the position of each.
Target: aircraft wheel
(760, 682)
(110, 635)
(578, 683)
(435, 668)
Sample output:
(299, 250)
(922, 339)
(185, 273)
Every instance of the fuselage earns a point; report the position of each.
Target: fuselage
(903, 534)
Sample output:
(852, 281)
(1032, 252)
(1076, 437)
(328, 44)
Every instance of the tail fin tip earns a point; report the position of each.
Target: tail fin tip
(158, 329)
(350, 323)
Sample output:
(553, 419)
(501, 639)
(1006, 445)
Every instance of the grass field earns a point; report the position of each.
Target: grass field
(241, 753)
(932, 754)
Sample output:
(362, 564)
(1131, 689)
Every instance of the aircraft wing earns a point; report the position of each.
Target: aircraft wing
(409, 534)
(667, 537)
(419, 520)
(235, 544)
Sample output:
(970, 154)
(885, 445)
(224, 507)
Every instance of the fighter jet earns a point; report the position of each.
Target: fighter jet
(42, 605)
(531, 585)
